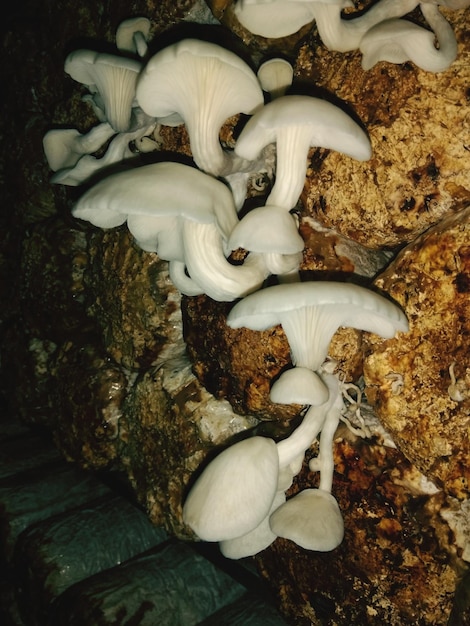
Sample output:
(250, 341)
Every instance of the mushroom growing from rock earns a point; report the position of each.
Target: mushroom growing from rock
(399, 40)
(295, 124)
(203, 84)
(235, 492)
(271, 232)
(111, 79)
(312, 519)
(183, 215)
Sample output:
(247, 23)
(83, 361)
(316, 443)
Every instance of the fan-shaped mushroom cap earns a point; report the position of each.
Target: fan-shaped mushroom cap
(399, 40)
(164, 189)
(295, 124)
(235, 491)
(204, 84)
(276, 18)
(311, 312)
(311, 519)
(112, 76)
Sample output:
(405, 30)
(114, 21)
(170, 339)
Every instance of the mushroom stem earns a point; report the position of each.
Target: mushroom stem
(326, 447)
(438, 59)
(314, 420)
(344, 35)
(292, 146)
(209, 268)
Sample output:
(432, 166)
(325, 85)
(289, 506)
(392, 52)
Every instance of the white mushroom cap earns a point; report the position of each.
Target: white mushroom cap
(275, 76)
(311, 519)
(204, 84)
(158, 189)
(132, 35)
(185, 216)
(311, 312)
(113, 77)
(235, 491)
(272, 232)
(299, 385)
(275, 18)
(256, 540)
(295, 124)
(399, 40)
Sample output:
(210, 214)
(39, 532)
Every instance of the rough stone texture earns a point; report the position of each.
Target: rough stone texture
(408, 378)
(131, 297)
(418, 124)
(91, 340)
(381, 573)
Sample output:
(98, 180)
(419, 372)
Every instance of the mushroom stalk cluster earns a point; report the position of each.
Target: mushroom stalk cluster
(189, 216)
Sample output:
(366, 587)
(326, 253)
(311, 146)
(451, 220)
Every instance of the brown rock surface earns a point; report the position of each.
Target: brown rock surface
(381, 573)
(418, 124)
(408, 378)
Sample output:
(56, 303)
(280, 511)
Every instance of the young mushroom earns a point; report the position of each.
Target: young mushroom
(109, 77)
(204, 84)
(295, 124)
(311, 519)
(399, 40)
(275, 76)
(183, 215)
(64, 147)
(271, 232)
(132, 35)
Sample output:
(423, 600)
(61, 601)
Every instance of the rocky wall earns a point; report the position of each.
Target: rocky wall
(98, 347)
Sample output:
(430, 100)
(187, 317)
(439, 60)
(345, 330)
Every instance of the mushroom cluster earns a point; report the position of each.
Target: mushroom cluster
(381, 33)
(190, 215)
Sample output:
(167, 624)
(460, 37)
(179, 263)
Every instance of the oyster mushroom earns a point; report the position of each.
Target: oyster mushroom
(203, 84)
(183, 215)
(398, 41)
(275, 76)
(311, 312)
(132, 35)
(311, 519)
(109, 77)
(295, 124)
(272, 232)
(235, 492)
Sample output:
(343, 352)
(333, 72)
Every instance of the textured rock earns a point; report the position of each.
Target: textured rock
(408, 378)
(171, 425)
(131, 298)
(418, 125)
(396, 564)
